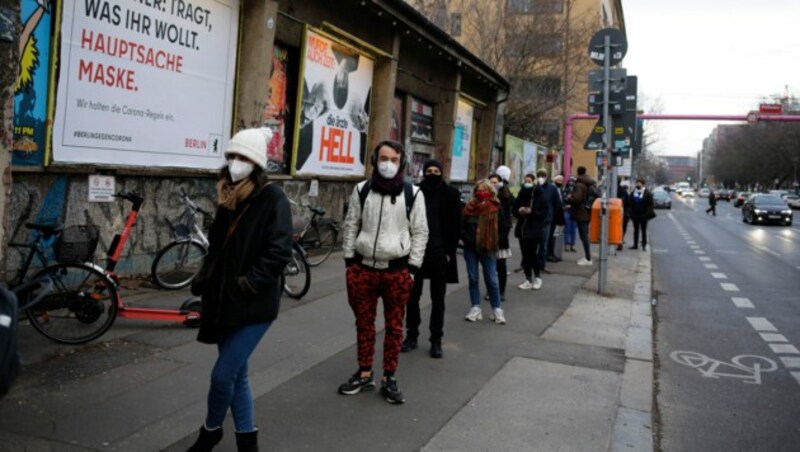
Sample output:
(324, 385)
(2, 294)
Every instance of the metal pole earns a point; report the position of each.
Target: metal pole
(603, 265)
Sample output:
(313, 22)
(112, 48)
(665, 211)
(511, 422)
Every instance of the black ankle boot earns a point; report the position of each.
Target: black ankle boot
(436, 349)
(207, 440)
(408, 345)
(247, 442)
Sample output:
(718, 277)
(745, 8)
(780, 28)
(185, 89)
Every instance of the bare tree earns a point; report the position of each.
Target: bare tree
(542, 52)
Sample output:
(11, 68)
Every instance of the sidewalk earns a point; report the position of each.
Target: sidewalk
(570, 371)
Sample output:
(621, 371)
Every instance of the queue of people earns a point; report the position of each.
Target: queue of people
(395, 236)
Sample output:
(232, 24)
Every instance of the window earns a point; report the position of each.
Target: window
(546, 87)
(534, 6)
(548, 131)
(421, 120)
(455, 24)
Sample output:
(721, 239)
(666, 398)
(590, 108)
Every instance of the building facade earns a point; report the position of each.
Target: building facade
(145, 97)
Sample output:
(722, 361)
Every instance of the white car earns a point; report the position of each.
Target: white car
(792, 199)
(687, 193)
(703, 193)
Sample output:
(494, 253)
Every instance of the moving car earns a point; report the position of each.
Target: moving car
(687, 193)
(741, 198)
(766, 208)
(792, 200)
(724, 195)
(662, 200)
(703, 193)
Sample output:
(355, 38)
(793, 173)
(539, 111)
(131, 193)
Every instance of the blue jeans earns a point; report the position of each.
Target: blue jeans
(570, 229)
(230, 387)
(489, 264)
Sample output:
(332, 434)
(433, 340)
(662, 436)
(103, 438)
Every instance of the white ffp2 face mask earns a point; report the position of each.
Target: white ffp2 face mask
(239, 169)
(388, 169)
(541, 180)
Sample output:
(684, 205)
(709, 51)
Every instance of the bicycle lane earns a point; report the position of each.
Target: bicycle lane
(722, 381)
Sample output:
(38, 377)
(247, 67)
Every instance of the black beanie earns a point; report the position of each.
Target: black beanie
(430, 163)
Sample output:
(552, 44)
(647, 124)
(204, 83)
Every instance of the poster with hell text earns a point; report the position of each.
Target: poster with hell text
(333, 109)
(146, 83)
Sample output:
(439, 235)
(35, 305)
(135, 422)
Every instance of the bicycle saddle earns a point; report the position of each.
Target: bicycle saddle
(48, 230)
(318, 210)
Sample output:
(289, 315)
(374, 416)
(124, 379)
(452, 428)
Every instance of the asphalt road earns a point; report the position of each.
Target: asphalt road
(728, 293)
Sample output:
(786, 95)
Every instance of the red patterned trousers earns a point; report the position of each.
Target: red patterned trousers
(364, 287)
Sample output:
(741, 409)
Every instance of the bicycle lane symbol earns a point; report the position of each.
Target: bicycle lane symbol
(745, 367)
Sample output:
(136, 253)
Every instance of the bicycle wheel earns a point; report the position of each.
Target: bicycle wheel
(297, 275)
(319, 243)
(80, 306)
(176, 265)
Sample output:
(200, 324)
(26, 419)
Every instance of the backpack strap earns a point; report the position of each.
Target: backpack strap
(408, 192)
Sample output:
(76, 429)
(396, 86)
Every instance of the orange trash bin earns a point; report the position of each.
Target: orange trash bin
(614, 221)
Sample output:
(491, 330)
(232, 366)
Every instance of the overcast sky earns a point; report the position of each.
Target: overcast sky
(709, 57)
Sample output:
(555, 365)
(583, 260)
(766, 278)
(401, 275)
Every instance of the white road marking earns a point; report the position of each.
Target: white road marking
(784, 348)
(691, 242)
(773, 337)
(767, 250)
(729, 287)
(741, 302)
(791, 363)
(784, 238)
(699, 252)
(747, 367)
(726, 252)
(796, 376)
(704, 258)
(761, 324)
(711, 266)
(694, 247)
(719, 275)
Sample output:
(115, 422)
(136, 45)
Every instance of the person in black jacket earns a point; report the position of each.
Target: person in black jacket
(534, 211)
(640, 204)
(500, 182)
(443, 211)
(250, 244)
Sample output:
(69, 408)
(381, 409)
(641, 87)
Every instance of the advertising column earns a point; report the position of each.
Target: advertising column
(462, 141)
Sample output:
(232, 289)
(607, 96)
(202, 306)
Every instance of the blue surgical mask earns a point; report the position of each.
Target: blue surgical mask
(527, 185)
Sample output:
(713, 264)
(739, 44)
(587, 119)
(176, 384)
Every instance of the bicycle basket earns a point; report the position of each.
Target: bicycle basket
(77, 243)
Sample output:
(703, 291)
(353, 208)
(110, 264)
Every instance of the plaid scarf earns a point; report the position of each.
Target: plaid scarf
(486, 236)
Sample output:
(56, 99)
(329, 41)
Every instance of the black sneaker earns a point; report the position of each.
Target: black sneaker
(357, 384)
(390, 392)
(408, 345)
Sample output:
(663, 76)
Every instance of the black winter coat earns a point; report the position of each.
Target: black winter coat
(244, 283)
(446, 203)
(506, 220)
(538, 199)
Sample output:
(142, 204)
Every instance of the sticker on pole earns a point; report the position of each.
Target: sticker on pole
(618, 43)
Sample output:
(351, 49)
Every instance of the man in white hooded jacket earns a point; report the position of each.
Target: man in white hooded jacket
(385, 234)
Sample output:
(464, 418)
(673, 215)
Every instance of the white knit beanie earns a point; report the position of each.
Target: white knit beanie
(251, 143)
(504, 172)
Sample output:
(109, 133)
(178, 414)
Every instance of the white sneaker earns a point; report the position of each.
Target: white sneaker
(526, 285)
(498, 317)
(584, 262)
(474, 314)
(537, 283)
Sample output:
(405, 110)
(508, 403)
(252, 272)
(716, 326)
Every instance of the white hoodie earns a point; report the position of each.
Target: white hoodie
(382, 232)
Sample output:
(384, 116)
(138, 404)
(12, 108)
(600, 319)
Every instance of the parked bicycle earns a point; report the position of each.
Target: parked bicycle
(70, 302)
(318, 236)
(176, 265)
(297, 273)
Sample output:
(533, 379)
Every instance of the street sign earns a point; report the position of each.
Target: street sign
(595, 140)
(752, 118)
(616, 80)
(619, 46)
(771, 109)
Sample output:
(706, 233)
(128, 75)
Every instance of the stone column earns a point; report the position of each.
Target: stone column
(259, 20)
(384, 82)
(444, 121)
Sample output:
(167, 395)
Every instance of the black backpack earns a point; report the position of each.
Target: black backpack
(408, 192)
(592, 193)
(9, 357)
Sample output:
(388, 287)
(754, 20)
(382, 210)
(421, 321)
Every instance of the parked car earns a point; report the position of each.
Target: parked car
(662, 200)
(741, 198)
(724, 195)
(687, 193)
(766, 208)
(792, 200)
(703, 193)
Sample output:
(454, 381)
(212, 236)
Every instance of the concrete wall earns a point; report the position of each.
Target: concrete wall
(9, 55)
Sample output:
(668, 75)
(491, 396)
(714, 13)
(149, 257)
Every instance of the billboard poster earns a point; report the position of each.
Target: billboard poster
(277, 112)
(31, 88)
(146, 83)
(333, 109)
(515, 161)
(462, 142)
(421, 120)
(529, 154)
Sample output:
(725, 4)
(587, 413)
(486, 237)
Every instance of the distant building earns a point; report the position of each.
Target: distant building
(679, 168)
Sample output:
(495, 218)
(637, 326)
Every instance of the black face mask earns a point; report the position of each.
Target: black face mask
(432, 180)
